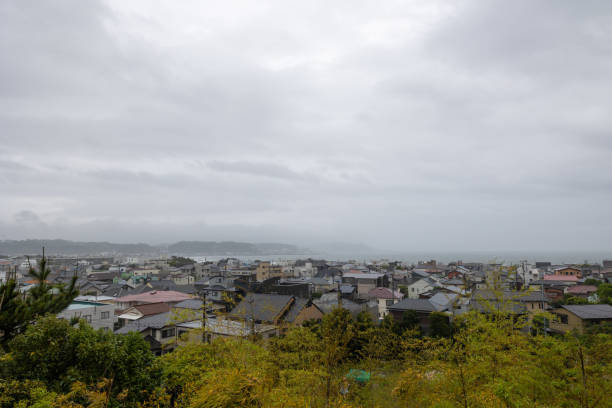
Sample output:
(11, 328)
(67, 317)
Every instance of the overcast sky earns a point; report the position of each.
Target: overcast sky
(404, 125)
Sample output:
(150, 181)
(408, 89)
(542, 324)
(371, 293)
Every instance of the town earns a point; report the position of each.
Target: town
(165, 299)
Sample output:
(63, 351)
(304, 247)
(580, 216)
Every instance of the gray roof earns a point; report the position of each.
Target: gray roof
(318, 281)
(419, 305)
(590, 311)
(442, 301)
(260, 306)
(194, 304)
(155, 285)
(329, 301)
(419, 273)
(296, 308)
(154, 321)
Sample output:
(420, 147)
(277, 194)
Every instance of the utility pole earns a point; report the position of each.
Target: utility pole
(251, 301)
(339, 294)
(203, 296)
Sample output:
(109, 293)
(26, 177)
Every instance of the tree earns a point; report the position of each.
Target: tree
(17, 311)
(409, 321)
(58, 354)
(337, 330)
(364, 328)
(604, 293)
(178, 261)
(439, 325)
(594, 282)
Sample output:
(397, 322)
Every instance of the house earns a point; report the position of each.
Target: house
(169, 296)
(567, 271)
(329, 301)
(182, 279)
(217, 327)
(321, 285)
(583, 291)
(302, 311)
(275, 309)
(513, 302)
(445, 301)
(98, 315)
(365, 282)
(266, 270)
(139, 311)
(194, 307)
(158, 330)
(562, 279)
(580, 317)
(348, 291)
(220, 294)
(555, 292)
(420, 286)
(87, 287)
(384, 298)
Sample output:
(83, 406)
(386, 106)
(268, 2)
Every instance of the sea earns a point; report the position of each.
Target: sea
(503, 257)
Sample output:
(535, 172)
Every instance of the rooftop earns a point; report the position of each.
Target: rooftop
(385, 293)
(419, 305)
(78, 304)
(155, 296)
(566, 278)
(590, 311)
(582, 289)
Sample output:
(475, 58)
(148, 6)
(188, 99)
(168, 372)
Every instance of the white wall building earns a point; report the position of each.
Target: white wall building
(98, 315)
(420, 286)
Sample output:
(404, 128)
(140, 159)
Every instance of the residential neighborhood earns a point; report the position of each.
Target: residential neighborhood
(166, 303)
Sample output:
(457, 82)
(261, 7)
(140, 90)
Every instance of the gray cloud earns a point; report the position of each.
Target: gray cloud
(429, 125)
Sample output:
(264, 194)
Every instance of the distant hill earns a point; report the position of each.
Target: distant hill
(232, 248)
(64, 247)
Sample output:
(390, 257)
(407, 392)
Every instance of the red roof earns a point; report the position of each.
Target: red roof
(561, 278)
(582, 289)
(148, 309)
(155, 296)
(384, 293)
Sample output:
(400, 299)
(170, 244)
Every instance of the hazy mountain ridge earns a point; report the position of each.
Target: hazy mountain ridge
(65, 247)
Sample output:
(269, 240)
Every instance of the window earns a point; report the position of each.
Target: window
(104, 315)
(167, 333)
(562, 318)
(87, 318)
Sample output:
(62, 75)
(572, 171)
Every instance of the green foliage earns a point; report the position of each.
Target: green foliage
(604, 292)
(57, 354)
(488, 362)
(178, 261)
(574, 300)
(409, 321)
(440, 325)
(594, 282)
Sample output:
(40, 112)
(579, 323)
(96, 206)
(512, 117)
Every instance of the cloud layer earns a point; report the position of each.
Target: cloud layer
(403, 125)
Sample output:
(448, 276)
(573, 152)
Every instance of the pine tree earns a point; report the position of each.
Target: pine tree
(17, 310)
